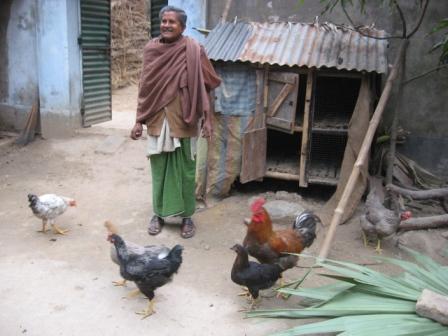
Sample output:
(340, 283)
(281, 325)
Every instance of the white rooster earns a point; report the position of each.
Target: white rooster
(49, 206)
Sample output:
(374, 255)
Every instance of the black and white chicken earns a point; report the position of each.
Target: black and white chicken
(133, 248)
(146, 270)
(49, 206)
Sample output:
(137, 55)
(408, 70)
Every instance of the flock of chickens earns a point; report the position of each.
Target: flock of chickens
(151, 267)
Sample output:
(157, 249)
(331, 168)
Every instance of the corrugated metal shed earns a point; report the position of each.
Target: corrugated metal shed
(298, 44)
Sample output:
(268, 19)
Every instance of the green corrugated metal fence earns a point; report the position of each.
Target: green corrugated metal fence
(96, 77)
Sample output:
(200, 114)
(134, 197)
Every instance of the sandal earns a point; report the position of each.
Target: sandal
(155, 225)
(188, 229)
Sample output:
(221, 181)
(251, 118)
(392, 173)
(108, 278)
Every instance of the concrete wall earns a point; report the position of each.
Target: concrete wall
(425, 109)
(59, 66)
(18, 84)
(42, 59)
(5, 9)
(196, 13)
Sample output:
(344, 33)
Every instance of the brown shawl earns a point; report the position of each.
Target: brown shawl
(178, 68)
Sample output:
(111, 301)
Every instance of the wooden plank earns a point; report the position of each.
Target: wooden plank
(279, 124)
(306, 130)
(282, 176)
(285, 91)
(253, 165)
(282, 77)
(254, 141)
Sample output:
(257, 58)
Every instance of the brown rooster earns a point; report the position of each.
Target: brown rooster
(268, 245)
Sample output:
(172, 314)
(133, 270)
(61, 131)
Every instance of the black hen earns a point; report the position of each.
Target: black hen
(147, 270)
(253, 275)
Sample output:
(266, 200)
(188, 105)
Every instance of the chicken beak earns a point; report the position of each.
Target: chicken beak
(246, 221)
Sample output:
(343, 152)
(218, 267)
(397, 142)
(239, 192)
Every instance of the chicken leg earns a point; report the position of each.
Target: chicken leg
(44, 224)
(378, 247)
(148, 311)
(132, 294)
(364, 238)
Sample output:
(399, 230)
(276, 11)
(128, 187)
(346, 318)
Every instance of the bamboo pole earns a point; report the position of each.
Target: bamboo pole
(363, 153)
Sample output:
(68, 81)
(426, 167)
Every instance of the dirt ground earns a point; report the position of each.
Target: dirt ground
(61, 285)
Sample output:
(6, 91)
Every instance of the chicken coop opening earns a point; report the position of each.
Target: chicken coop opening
(282, 153)
(335, 101)
(331, 105)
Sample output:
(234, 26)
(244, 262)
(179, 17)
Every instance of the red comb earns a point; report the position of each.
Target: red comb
(257, 205)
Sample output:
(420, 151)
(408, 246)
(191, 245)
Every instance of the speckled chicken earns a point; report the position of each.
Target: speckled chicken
(133, 248)
(146, 270)
(379, 221)
(49, 206)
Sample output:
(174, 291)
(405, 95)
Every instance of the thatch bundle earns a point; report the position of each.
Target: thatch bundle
(130, 33)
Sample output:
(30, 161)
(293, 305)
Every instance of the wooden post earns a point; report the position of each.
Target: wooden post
(303, 182)
(394, 127)
(363, 153)
(226, 11)
(424, 223)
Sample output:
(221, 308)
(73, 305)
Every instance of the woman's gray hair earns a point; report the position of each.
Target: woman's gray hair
(181, 15)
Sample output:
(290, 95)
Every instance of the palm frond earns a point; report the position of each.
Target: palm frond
(367, 302)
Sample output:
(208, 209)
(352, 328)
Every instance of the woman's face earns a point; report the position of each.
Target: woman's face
(170, 27)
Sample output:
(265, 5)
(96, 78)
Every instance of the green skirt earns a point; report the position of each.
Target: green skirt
(173, 182)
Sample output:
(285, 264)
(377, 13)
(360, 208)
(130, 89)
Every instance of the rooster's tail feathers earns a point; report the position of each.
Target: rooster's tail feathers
(305, 224)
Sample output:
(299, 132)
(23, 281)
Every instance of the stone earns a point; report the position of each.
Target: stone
(280, 209)
(433, 306)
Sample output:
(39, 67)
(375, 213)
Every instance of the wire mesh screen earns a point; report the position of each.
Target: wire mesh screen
(335, 101)
(327, 151)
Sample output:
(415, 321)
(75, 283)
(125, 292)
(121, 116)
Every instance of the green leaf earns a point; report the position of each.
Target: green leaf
(323, 293)
(367, 302)
(363, 325)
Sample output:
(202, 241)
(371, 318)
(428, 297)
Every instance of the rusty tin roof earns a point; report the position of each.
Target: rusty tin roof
(298, 44)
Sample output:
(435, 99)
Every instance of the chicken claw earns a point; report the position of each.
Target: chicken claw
(245, 292)
(148, 311)
(119, 282)
(132, 294)
(59, 230)
(378, 247)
